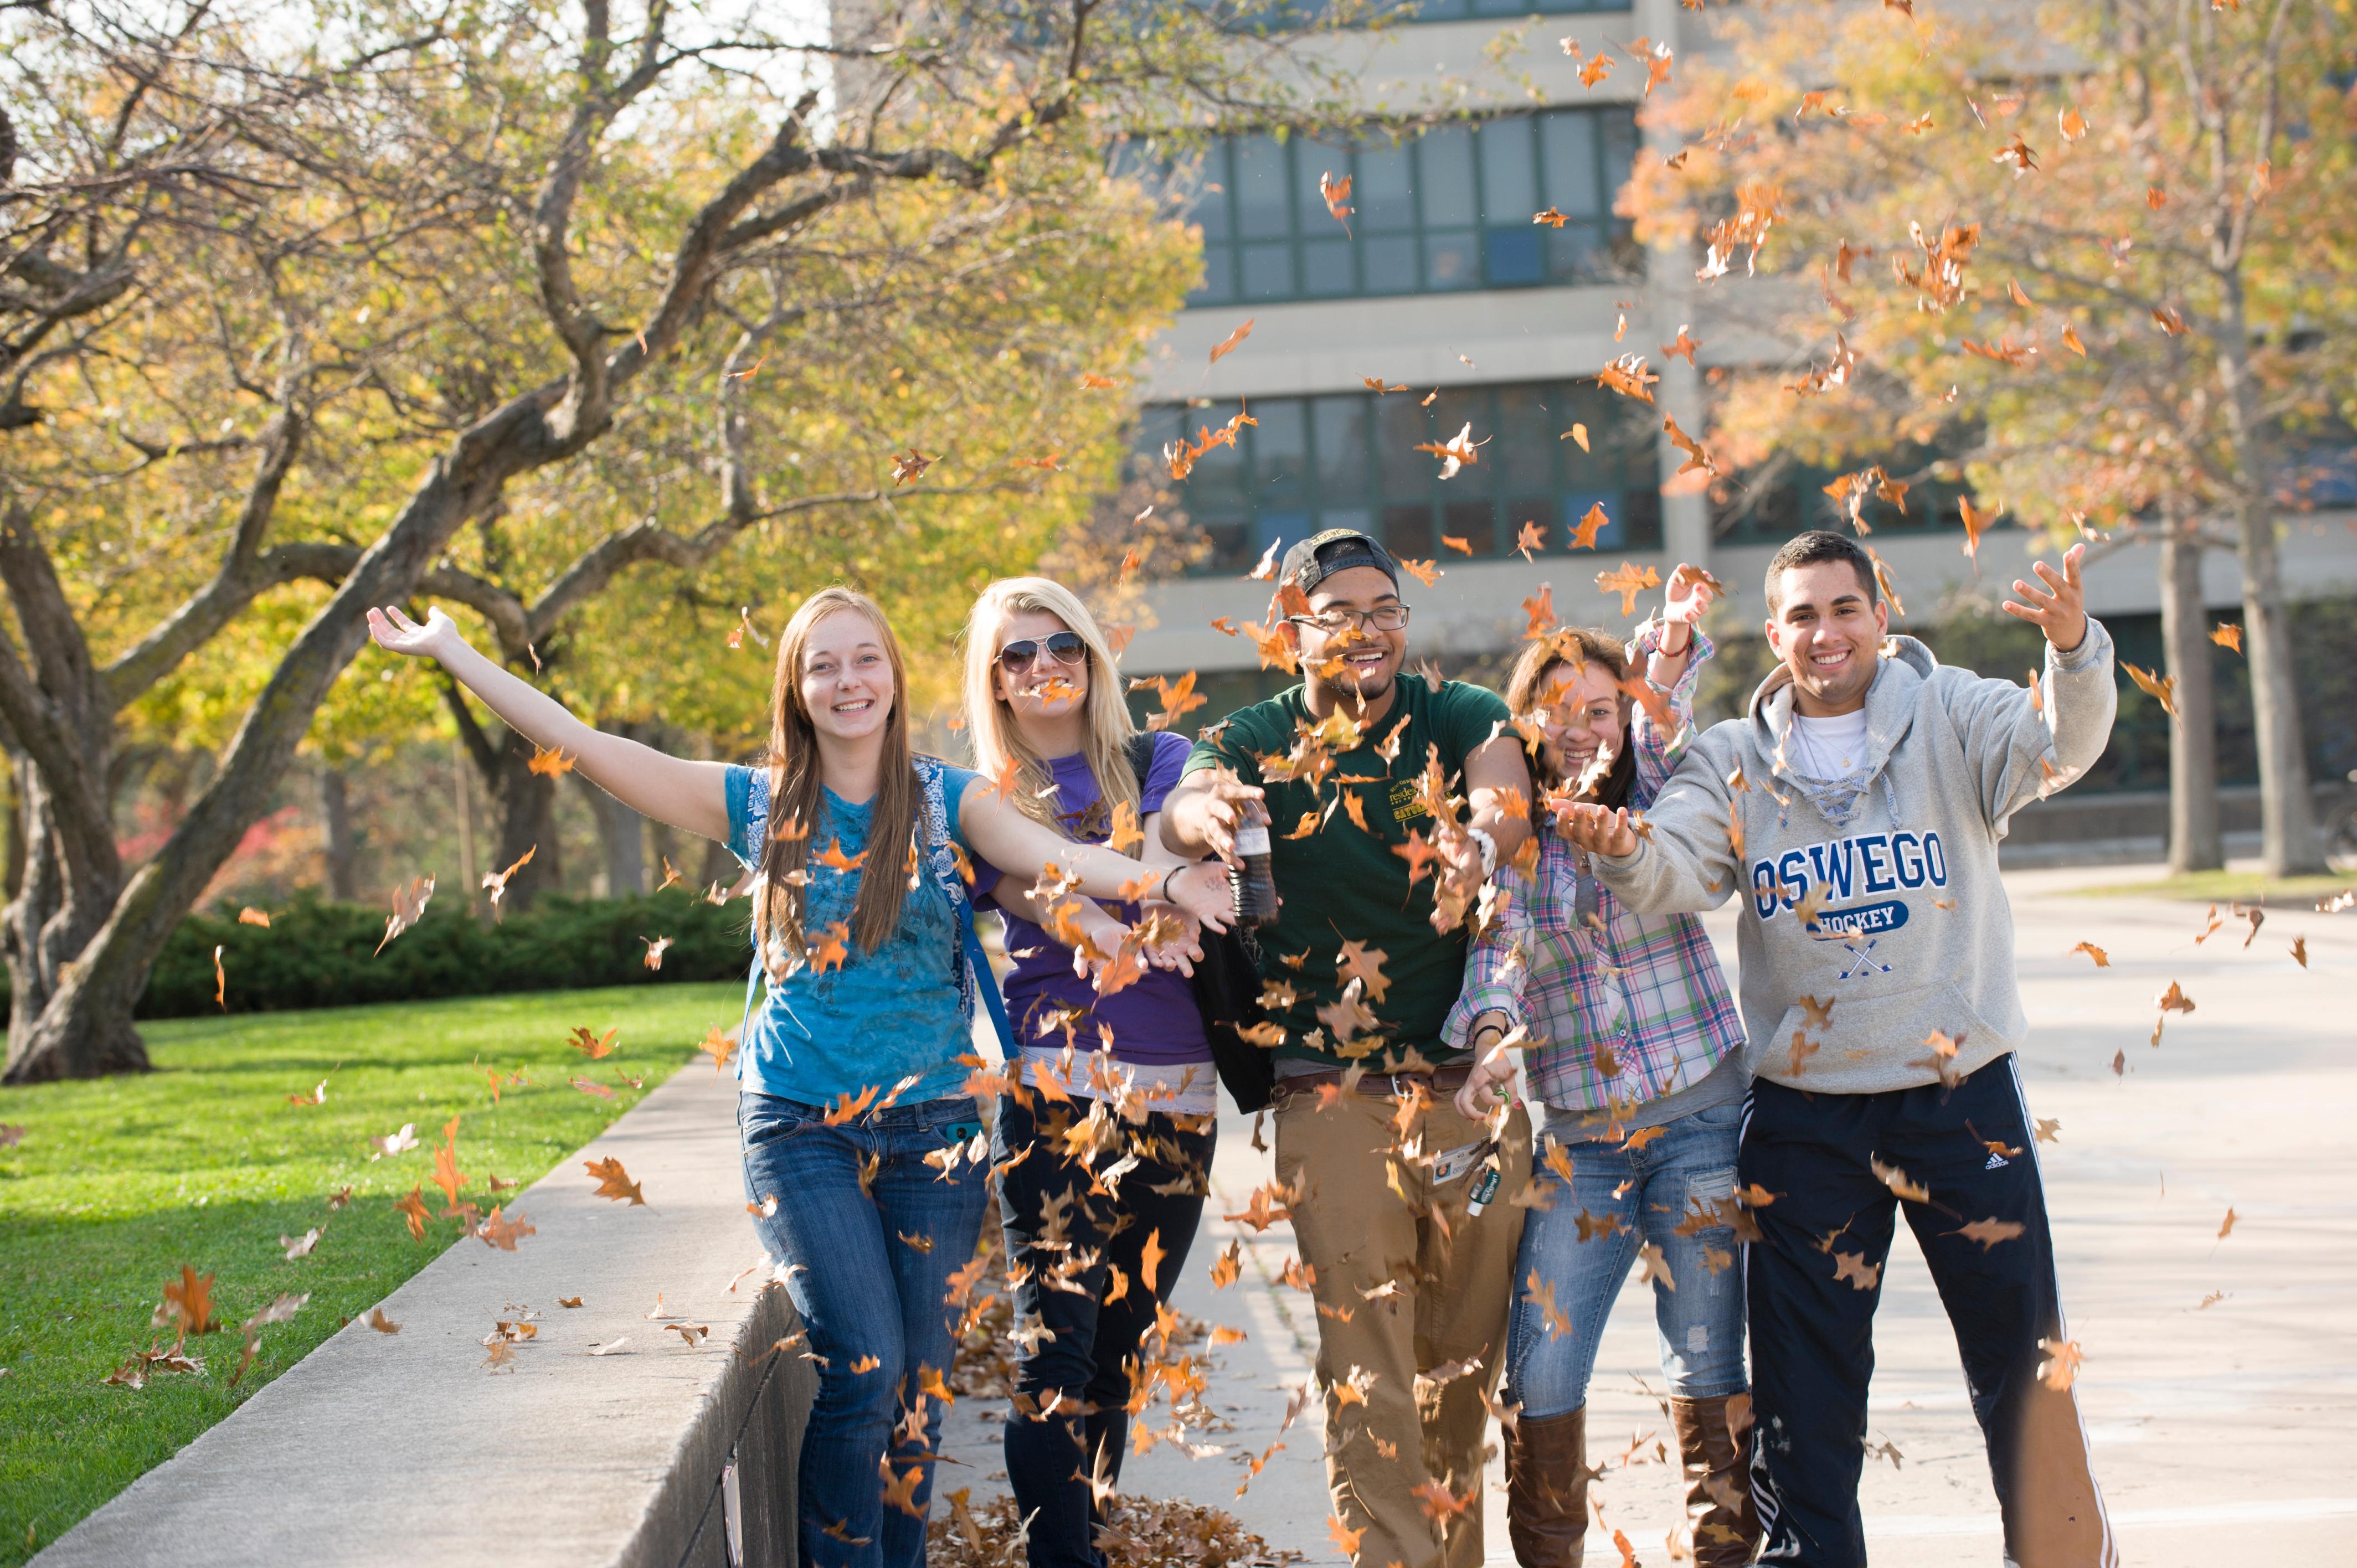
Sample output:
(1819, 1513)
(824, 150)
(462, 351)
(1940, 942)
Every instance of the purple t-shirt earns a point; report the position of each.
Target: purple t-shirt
(1154, 1020)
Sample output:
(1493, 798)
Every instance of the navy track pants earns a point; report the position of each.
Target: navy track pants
(1813, 1278)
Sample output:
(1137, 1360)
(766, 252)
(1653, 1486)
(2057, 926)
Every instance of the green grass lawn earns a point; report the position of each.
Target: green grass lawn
(2220, 886)
(116, 1184)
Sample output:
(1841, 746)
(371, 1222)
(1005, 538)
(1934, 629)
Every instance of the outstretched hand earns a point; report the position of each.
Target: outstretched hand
(2061, 613)
(1201, 892)
(1598, 829)
(397, 633)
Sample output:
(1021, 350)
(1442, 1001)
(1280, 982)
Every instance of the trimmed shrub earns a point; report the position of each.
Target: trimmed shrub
(320, 954)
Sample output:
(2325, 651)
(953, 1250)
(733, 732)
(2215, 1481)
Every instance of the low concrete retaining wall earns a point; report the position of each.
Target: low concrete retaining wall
(2072, 829)
(403, 1448)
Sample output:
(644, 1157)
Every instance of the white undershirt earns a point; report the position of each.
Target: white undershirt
(1832, 747)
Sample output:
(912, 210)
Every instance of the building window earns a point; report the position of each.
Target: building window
(1448, 209)
(1348, 460)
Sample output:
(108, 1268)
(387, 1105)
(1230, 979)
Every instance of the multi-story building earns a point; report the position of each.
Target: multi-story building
(1441, 302)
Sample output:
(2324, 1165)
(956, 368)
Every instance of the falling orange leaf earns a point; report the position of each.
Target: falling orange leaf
(549, 764)
(250, 916)
(408, 907)
(1228, 345)
(1531, 536)
(1628, 582)
(1337, 194)
(614, 1182)
(1592, 523)
(2162, 689)
(2228, 634)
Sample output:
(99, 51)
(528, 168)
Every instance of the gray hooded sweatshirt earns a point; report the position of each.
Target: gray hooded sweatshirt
(1912, 931)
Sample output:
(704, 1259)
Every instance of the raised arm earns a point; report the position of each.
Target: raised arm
(1023, 849)
(2028, 741)
(685, 794)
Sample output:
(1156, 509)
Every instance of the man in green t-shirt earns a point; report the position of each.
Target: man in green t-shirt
(1360, 769)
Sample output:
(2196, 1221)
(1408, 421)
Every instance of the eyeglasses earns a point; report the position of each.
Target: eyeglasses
(1063, 647)
(1382, 617)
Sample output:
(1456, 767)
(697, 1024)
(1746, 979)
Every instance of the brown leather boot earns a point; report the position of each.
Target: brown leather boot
(1546, 1489)
(1714, 1445)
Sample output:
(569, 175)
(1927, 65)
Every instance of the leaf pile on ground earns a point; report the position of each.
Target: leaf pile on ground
(1138, 1532)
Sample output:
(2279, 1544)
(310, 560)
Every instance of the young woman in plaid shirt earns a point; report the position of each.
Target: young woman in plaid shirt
(1635, 1048)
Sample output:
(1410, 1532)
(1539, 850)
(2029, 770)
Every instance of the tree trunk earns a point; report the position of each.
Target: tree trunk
(337, 841)
(623, 833)
(2287, 809)
(65, 732)
(2193, 841)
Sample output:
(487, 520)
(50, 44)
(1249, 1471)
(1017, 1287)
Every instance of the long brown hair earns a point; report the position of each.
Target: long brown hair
(991, 722)
(794, 792)
(1526, 689)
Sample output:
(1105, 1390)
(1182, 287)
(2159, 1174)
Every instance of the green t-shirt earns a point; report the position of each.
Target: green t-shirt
(1341, 885)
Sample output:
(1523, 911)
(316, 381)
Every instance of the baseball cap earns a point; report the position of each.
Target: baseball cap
(1323, 554)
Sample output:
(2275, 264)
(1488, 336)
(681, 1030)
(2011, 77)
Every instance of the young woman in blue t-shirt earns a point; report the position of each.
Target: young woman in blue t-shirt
(869, 1007)
(1114, 1074)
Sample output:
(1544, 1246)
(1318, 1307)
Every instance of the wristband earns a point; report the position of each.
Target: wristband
(1164, 895)
(1489, 849)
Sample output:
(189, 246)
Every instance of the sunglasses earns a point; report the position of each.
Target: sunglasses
(1063, 647)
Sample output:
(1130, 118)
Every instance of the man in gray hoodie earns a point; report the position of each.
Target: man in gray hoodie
(1857, 808)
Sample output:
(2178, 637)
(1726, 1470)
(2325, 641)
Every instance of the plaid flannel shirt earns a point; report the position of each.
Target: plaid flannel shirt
(1627, 1014)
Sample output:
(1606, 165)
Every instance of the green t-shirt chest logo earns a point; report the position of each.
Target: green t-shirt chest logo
(1407, 802)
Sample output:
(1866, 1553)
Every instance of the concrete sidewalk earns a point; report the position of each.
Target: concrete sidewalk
(2222, 1434)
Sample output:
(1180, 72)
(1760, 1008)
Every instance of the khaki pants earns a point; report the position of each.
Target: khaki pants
(1366, 1218)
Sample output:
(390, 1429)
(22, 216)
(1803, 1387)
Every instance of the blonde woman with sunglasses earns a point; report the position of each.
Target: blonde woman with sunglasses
(1110, 1034)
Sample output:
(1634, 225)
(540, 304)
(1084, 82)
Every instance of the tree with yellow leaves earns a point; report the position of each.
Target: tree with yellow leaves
(2106, 264)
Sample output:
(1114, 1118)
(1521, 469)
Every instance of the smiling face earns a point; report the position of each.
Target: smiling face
(1580, 715)
(846, 677)
(1047, 688)
(1370, 657)
(1827, 630)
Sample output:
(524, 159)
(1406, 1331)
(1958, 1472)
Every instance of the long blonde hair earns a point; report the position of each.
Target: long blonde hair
(991, 722)
(794, 782)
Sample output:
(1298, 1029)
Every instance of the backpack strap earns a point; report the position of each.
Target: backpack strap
(1140, 747)
(976, 981)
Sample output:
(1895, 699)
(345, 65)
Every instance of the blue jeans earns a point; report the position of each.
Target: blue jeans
(1648, 1192)
(869, 1298)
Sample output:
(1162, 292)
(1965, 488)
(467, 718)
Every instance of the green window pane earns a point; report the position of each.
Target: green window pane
(1567, 146)
(1407, 531)
(1443, 175)
(1400, 424)
(1381, 190)
(1218, 284)
(1475, 522)
(1340, 427)
(1268, 270)
(1264, 204)
(1390, 263)
(1452, 260)
(1214, 193)
(1280, 449)
(1510, 177)
(1520, 454)
(1326, 270)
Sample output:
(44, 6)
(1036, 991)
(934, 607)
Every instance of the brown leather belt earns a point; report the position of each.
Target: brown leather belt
(1385, 1085)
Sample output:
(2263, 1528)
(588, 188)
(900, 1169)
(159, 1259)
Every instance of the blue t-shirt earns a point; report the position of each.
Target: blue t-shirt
(881, 1017)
